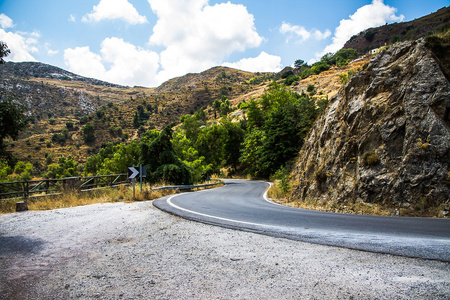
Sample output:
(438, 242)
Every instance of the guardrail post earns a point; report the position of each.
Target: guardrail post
(26, 189)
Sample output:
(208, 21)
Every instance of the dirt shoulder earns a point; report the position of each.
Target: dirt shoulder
(133, 250)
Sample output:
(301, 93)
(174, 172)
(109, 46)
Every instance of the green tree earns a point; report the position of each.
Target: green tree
(233, 138)
(255, 114)
(299, 63)
(88, 133)
(251, 150)
(12, 120)
(161, 160)
(196, 164)
(4, 51)
(210, 145)
(65, 167)
(281, 141)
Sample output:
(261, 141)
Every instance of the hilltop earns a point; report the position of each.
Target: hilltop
(388, 34)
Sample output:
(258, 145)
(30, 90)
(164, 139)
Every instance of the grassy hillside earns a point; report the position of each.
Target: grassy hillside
(60, 104)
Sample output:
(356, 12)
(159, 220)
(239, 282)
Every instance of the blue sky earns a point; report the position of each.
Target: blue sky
(145, 42)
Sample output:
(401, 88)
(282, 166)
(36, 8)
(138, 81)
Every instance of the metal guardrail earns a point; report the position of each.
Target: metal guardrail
(185, 187)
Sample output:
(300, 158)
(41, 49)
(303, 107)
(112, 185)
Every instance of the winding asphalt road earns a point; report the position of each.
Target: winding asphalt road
(243, 205)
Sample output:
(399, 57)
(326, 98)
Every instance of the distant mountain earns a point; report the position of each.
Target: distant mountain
(388, 34)
(55, 97)
(41, 70)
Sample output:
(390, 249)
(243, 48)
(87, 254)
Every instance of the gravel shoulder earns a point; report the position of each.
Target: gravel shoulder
(133, 250)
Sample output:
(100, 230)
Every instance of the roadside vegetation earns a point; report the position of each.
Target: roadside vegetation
(255, 138)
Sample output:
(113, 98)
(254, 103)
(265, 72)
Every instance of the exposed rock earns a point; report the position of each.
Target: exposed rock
(385, 138)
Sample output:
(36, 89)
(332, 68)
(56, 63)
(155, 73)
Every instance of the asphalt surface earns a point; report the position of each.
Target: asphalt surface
(243, 205)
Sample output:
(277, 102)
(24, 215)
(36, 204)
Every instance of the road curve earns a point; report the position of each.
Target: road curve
(242, 204)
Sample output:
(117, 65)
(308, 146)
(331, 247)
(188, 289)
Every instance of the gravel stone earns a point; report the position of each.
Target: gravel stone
(135, 251)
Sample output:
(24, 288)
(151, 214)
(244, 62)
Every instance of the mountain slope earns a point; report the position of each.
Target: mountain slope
(385, 138)
(384, 35)
(55, 98)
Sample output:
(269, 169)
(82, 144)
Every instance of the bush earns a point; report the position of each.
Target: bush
(88, 132)
(370, 158)
(287, 74)
(52, 121)
(290, 80)
(84, 120)
(370, 35)
(59, 138)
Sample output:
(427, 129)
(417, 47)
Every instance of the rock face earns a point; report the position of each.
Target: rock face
(385, 138)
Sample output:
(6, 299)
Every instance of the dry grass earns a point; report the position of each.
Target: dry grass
(71, 199)
(360, 208)
(348, 208)
(352, 207)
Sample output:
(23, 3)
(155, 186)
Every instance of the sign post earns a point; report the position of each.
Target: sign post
(133, 173)
(140, 175)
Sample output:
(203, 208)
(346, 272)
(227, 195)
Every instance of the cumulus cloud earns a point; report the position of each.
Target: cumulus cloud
(129, 65)
(262, 63)
(197, 36)
(301, 34)
(372, 15)
(21, 44)
(5, 21)
(72, 19)
(192, 35)
(114, 9)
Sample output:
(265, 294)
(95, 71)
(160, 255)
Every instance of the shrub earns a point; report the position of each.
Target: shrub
(370, 158)
(52, 121)
(370, 35)
(88, 132)
(310, 88)
(84, 120)
(343, 78)
(287, 74)
(290, 80)
(59, 138)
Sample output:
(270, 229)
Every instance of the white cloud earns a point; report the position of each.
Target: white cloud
(193, 36)
(114, 9)
(129, 65)
(262, 63)
(301, 34)
(21, 44)
(72, 19)
(198, 36)
(5, 21)
(52, 52)
(371, 15)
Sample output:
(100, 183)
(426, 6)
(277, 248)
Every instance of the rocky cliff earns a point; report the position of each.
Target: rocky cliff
(384, 139)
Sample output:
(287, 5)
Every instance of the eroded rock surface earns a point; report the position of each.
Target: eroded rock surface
(385, 138)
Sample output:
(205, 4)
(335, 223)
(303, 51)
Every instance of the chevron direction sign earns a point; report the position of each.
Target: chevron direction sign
(132, 172)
